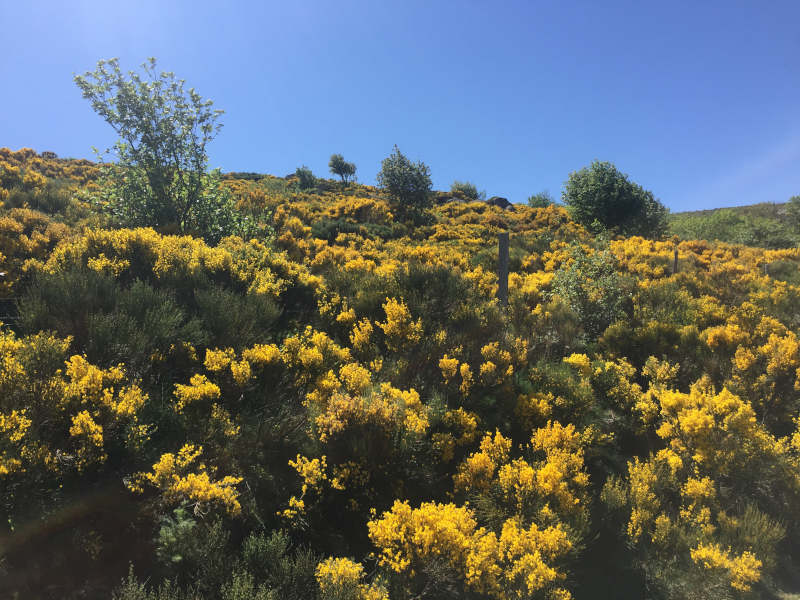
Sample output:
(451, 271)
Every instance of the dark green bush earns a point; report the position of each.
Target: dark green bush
(305, 178)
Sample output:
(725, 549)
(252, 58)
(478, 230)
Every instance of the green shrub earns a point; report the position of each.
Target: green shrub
(305, 178)
(593, 289)
(468, 190)
(541, 200)
(407, 184)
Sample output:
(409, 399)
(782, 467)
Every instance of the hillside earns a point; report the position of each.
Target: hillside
(336, 406)
(767, 225)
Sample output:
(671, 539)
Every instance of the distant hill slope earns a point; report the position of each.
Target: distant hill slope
(765, 225)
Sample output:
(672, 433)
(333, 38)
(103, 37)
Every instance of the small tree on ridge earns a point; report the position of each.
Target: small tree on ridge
(339, 166)
(407, 184)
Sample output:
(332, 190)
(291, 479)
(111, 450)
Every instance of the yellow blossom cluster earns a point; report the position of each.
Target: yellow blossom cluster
(314, 473)
(497, 364)
(176, 482)
(199, 389)
(463, 430)
(343, 578)
(399, 329)
(743, 570)
(479, 469)
(82, 401)
(387, 409)
(519, 561)
(13, 427)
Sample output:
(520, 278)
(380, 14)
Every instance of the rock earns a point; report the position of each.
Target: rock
(499, 201)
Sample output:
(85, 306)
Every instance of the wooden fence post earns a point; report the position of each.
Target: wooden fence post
(502, 268)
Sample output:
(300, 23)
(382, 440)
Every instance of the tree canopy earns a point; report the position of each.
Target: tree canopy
(408, 184)
(601, 195)
(468, 189)
(339, 166)
(161, 177)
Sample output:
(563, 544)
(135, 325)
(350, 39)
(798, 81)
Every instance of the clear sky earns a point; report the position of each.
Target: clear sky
(697, 101)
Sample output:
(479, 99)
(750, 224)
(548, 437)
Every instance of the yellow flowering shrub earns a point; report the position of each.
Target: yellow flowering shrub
(13, 427)
(400, 330)
(261, 355)
(743, 570)
(60, 415)
(343, 578)
(580, 362)
(551, 488)
(497, 364)
(199, 389)
(376, 354)
(478, 470)
(449, 367)
(218, 360)
(533, 409)
(89, 435)
(387, 410)
(518, 561)
(314, 474)
(241, 372)
(713, 444)
(311, 353)
(361, 334)
(179, 478)
(466, 379)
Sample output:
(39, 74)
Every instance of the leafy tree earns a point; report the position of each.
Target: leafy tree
(408, 184)
(305, 178)
(541, 200)
(161, 177)
(468, 189)
(339, 166)
(602, 195)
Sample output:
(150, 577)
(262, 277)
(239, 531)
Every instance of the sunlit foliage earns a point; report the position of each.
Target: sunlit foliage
(342, 410)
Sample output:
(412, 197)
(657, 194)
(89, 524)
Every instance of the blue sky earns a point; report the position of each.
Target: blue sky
(696, 101)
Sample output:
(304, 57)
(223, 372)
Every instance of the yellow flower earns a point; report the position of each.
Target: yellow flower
(743, 570)
(218, 360)
(199, 388)
(170, 475)
(262, 354)
(400, 330)
(360, 337)
(580, 362)
(240, 369)
(346, 316)
(449, 367)
(339, 576)
(356, 379)
(466, 378)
